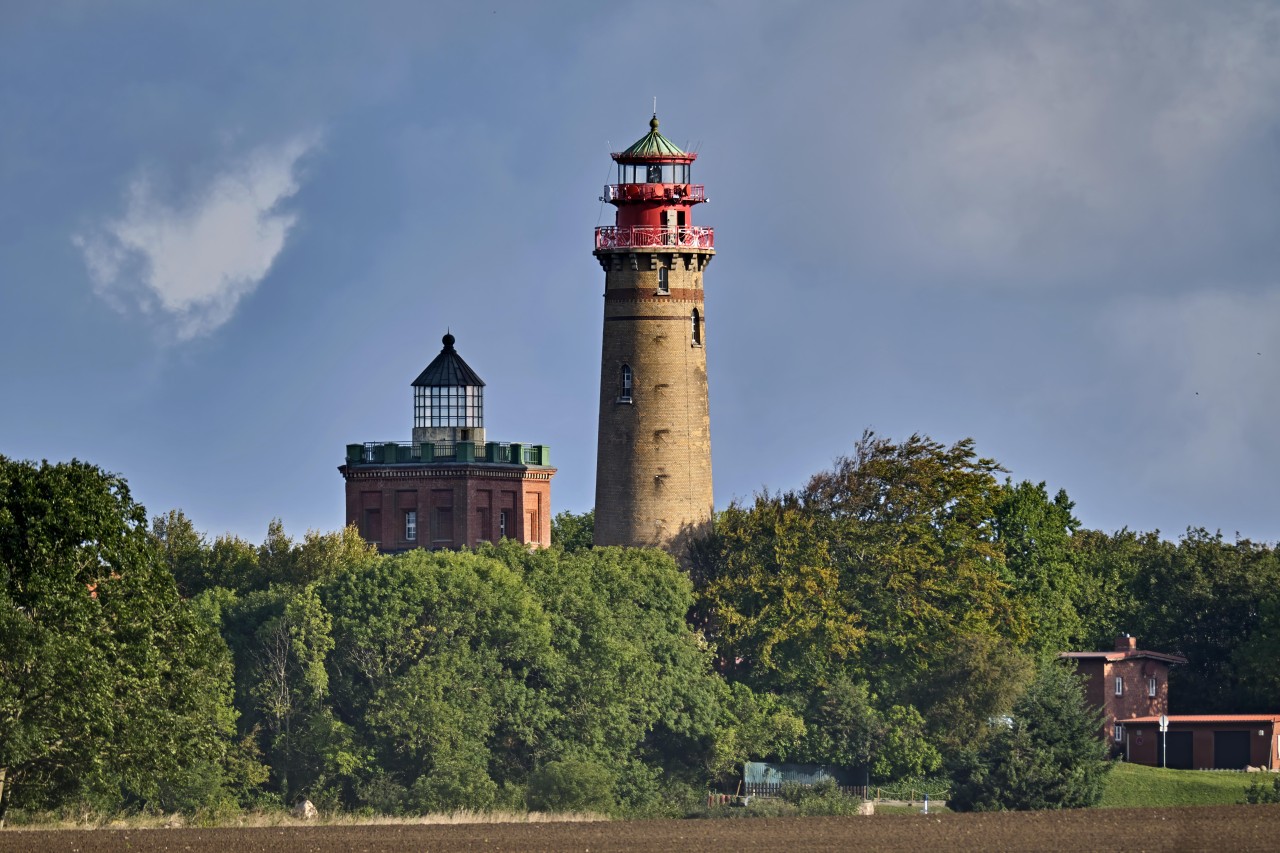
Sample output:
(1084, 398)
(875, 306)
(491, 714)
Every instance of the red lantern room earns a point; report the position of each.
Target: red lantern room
(654, 198)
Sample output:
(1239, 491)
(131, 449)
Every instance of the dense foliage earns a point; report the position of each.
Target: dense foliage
(1048, 756)
(890, 616)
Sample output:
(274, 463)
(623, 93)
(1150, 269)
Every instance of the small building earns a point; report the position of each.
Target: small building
(1125, 683)
(1203, 741)
(448, 487)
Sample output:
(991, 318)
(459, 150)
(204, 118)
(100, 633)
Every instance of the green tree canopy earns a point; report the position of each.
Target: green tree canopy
(1049, 756)
(108, 679)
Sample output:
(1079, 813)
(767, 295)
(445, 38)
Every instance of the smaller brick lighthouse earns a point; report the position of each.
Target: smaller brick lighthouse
(449, 486)
(653, 453)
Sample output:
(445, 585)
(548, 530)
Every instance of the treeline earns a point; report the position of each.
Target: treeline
(880, 617)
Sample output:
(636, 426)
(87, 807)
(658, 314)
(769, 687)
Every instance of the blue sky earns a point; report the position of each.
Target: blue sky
(231, 234)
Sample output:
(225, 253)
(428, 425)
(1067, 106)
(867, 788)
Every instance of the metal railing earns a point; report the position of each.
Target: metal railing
(407, 453)
(642, 236)
(655, 192)
(773, 789)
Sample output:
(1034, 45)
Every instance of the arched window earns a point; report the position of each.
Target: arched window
(697, 327)
(664, 284)
(624, 384)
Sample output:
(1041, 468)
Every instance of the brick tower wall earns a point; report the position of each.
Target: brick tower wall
(653, 459)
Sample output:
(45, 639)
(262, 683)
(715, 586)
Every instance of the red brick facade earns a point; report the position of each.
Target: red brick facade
(448, 505)
(1127, 682)
(1222, 742)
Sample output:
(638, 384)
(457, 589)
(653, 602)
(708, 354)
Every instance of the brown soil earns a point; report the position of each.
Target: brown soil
(1214, 828)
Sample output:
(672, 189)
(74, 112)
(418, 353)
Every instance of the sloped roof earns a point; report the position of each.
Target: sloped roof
(1207, 718)
(653, 144)
(1111, 657)
(447, 369)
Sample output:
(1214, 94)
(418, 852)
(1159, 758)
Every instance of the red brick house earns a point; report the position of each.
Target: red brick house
(1203, 741)
(449, 487)
(1125, 683)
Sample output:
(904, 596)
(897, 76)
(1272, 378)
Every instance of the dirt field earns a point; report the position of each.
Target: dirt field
(1216, 828)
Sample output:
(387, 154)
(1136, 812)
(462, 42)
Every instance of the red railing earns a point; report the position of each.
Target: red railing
(641, 236)
(655, 192)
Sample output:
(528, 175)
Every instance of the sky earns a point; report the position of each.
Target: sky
(231, 234)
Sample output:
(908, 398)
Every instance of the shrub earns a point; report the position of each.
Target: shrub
(571, 785)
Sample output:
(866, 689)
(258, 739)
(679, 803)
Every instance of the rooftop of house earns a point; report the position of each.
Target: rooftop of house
(1126, 649)
(1207, 718)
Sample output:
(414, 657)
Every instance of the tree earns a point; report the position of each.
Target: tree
(108, 678)
(1036, 534)
(875, 570)
(1049, 756)
(573, 531)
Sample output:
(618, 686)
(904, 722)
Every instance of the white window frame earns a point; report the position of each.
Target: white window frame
(502, 524)
(411, 525)
(1153, 687)
(664, 282)
(1118, 733)
(1119, 685)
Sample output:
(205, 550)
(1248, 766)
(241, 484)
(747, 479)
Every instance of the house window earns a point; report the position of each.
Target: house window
(664, 285)
(502, 524)
(1118, 732)
(411, 525)
(697, 327)
(624, 384)
(1151, 687)
(1119, 685)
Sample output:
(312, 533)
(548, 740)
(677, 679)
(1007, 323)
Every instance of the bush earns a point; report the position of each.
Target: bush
(1260, 792)
(821, 798)
(571, 785)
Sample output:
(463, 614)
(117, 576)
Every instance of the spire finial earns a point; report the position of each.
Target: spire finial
(653, 122)
(448, 339)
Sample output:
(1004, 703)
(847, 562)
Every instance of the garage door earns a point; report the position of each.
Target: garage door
(1178, 745)
(1230, 750)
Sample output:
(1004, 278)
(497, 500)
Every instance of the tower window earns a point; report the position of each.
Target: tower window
(1119, 685)
(664, 283)
(697, 327)
(1151, 688)
(624, 384)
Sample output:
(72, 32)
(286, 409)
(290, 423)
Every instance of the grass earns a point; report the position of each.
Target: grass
(1138, 786)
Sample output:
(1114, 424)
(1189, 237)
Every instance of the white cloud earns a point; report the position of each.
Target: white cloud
(192, 263)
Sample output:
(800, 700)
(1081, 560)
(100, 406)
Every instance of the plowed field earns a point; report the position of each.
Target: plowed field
(1215, 828)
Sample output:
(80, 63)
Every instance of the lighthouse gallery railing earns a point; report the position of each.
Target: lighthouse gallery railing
(641, 236)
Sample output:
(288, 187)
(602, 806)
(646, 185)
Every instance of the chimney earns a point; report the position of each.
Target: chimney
(1125, 643)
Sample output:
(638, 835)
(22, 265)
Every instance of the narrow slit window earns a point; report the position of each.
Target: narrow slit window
(696, 318)
(664, 283)
(1119, 686)
(624, 384)
(1151, 688)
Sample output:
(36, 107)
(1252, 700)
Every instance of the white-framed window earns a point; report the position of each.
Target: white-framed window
(1118, 732)
(624, 384)
(502, 524)
(1119, 685)
(1151, 687)
(411, 525)
(664, 282)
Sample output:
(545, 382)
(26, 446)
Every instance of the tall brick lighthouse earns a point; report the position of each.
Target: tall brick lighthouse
(653, 458)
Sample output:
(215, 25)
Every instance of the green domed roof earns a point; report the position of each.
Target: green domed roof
(653, 144)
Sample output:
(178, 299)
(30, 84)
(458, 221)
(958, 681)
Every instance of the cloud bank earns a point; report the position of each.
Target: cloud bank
(192, 263)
